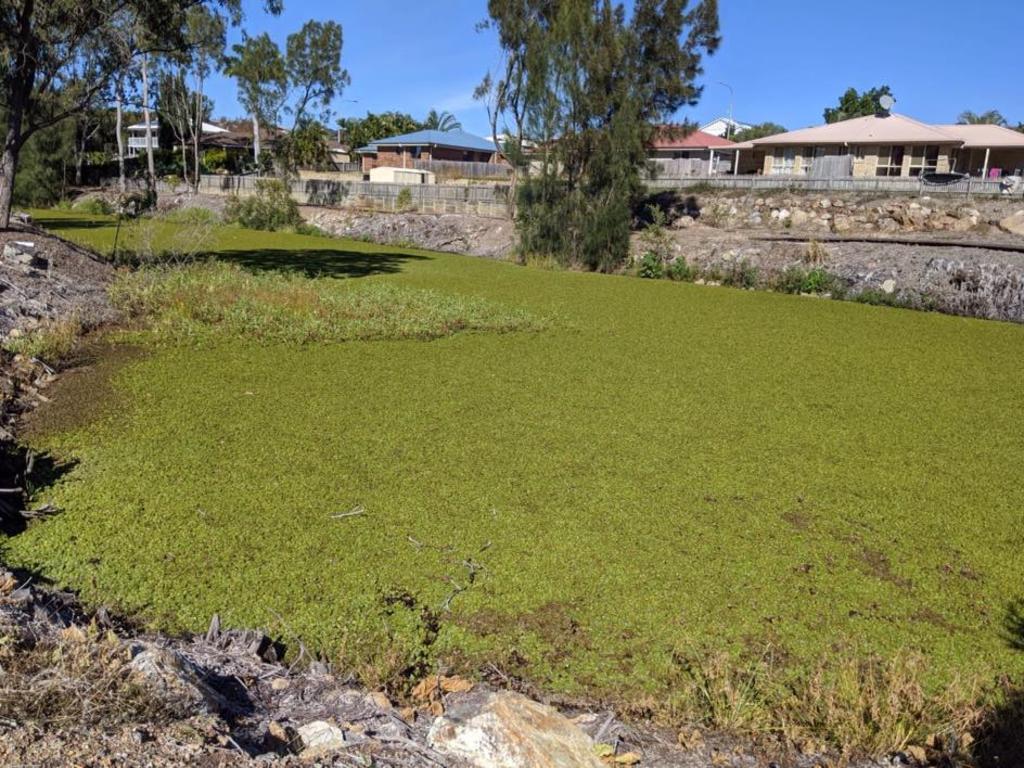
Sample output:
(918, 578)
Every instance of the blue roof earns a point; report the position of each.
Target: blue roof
(454, 139)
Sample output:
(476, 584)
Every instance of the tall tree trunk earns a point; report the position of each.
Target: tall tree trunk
(122, 182)
(8, 167)
(256, 142)
(80, 154)
(197, 134)
(20, 80)
(150, 164)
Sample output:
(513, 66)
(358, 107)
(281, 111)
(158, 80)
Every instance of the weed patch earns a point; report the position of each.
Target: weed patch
(52, 342)
(197, 303)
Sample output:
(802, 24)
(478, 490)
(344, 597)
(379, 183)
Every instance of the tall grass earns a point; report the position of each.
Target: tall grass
(202, 301)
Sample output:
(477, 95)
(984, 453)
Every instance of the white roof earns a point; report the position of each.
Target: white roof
(873, 129)
(155, 126)
(994, 136)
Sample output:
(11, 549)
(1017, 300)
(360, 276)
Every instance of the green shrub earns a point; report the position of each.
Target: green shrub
(311, 230)
(817, 280)
(94, 205)
(681, 271)
(650, 266)
(404, 200)
(51, 342)
(215, 159)
(741, 274)
(270, 208)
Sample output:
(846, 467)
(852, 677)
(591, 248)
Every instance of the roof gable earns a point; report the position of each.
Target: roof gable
(872, 129)
(667, 138)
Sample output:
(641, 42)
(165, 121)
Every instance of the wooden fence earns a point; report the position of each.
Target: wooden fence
(456, 169)
(480, 200)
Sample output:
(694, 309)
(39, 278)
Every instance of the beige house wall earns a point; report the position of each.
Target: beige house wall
(865, 159)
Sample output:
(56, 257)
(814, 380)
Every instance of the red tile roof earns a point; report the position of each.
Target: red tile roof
(676, 137)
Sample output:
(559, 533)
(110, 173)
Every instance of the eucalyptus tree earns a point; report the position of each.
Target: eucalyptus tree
(42, 42)
(258, 68)
(587, 84)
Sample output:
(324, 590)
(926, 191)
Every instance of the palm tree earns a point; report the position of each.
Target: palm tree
(441, 121)
(992, 117)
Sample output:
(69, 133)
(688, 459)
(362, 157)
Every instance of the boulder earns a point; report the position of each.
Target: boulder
(842, 223)
(800, 218)
(507, 730)
(889, 286)
(320, 738)
(174, 678)
(1014, 223)
(24, 254)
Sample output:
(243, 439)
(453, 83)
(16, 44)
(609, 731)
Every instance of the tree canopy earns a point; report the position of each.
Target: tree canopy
(592, 83)
(57, 55)
(758, 131)
(853, 103)
(359, 131)
(991, 117)
(441, 121)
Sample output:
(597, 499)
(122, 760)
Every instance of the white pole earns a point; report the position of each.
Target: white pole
(736, 164)
(711, 163)
(984, 170)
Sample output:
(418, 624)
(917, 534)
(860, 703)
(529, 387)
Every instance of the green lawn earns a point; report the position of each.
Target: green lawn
(665, 468)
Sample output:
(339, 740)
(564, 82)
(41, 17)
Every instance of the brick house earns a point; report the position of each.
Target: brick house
(407, 150)
(886, 144)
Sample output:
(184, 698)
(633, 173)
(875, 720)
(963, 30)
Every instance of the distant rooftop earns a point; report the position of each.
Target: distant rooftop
(453, 139)
(676, 137)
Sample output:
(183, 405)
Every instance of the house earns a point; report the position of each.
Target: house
(724, 126)
(677, 153)
(137, 136)
(885, 144)
(427, 146)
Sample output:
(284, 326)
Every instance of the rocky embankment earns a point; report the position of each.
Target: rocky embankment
(954, 256)
(451, 232)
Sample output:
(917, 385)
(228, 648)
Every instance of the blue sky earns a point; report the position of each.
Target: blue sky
(786, 60)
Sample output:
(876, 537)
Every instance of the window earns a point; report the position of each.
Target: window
(890, 161)
(924, 159)
(783, 161)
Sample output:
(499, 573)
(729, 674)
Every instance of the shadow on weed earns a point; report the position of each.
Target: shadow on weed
(74, 222)
(1001, 739)
(322, 262)
(25, 475)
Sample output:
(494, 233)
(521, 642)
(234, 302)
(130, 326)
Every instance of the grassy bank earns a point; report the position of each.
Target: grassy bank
(672, 474)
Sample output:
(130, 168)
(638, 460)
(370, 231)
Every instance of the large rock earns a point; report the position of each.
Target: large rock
(506, 730)
(1014, 224)
(174, 678)
(320, 738)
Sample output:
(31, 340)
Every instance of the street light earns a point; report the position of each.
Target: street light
(730, 127)
(345, 101)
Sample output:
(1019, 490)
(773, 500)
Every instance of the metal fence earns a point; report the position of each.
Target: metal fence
(880, 185)
(481, 200)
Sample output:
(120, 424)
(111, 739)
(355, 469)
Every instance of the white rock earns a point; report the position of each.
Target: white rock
(1014, 224)
(800, 218)
(320, 738)
(889, 286)
(784, 214)
(506, 730)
